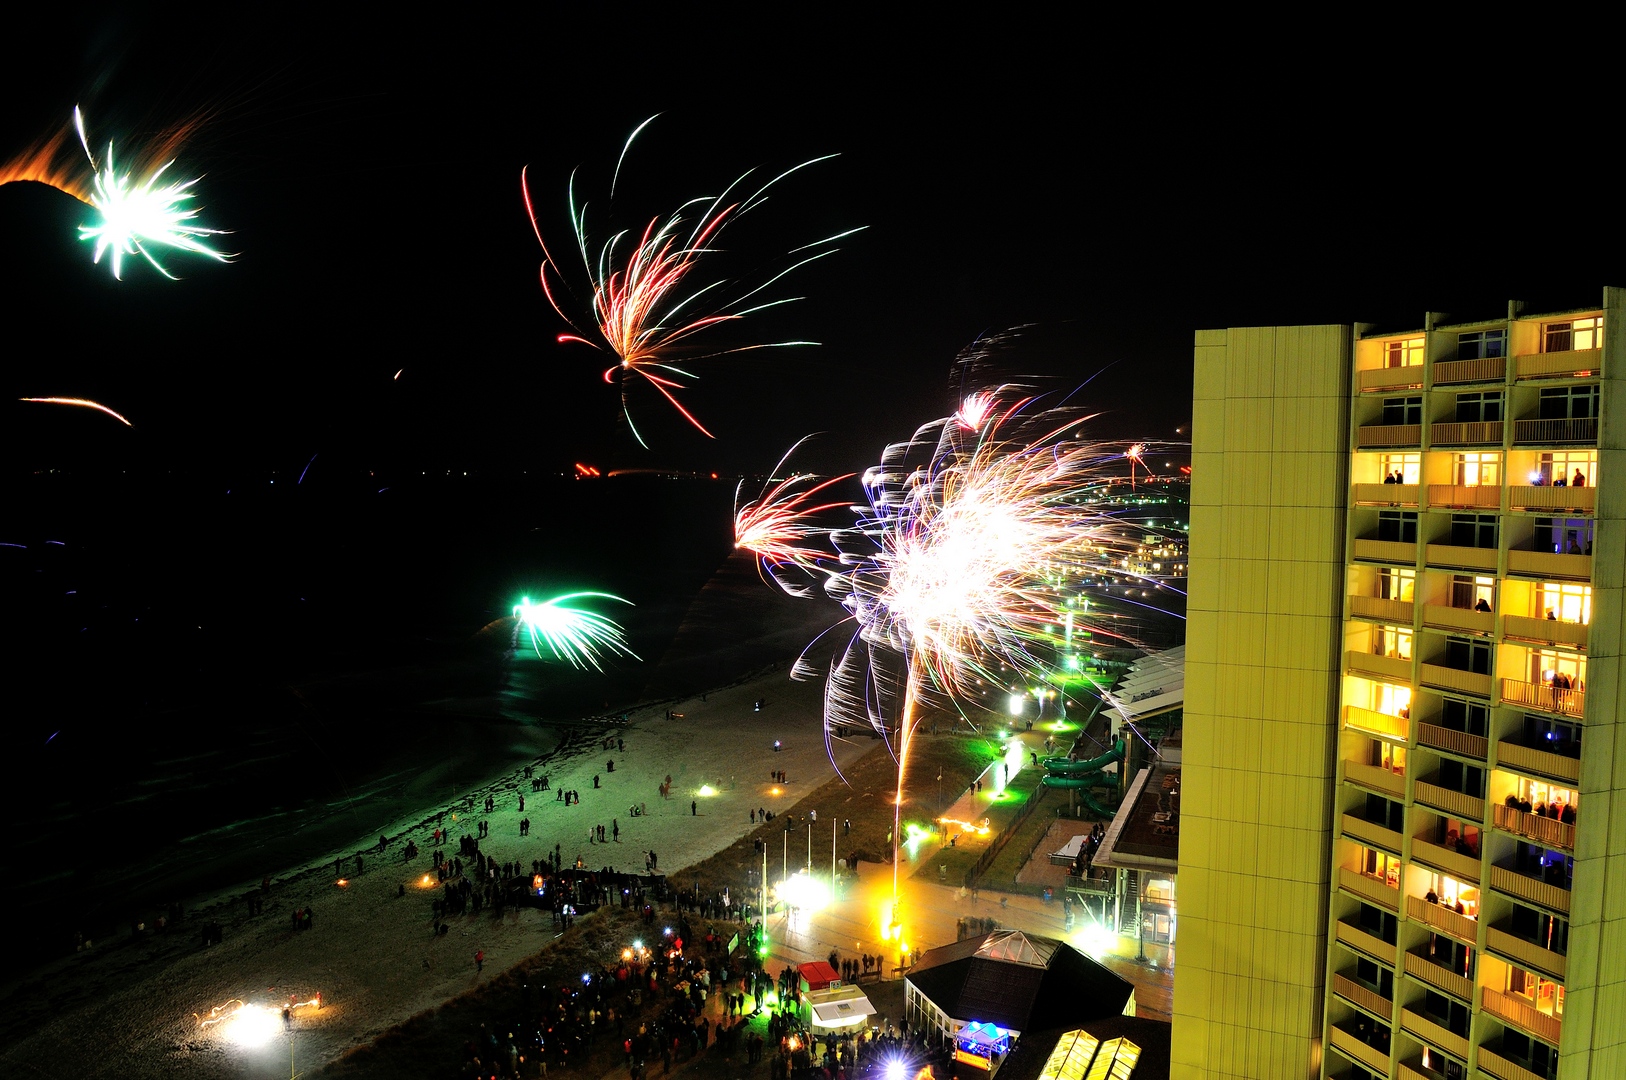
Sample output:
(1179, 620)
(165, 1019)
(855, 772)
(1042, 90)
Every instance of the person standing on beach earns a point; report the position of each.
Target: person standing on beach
(694, 808)
(479, 960)
(615, 829)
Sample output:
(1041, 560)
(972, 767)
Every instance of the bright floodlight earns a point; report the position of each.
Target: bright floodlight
(803, 892)
(252, 1025)
(894, 1070)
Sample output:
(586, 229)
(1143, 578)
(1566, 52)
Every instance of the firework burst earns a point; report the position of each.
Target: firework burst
(777, 525)
(573, 632)
(646, 303)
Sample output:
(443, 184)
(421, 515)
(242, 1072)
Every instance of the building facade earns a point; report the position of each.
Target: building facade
(1407, 553)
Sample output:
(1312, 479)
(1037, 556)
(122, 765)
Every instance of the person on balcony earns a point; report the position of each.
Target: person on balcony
(1558, 481)
(1432, 897)
(1567, 815)
(1579, 479)
(1482, 605)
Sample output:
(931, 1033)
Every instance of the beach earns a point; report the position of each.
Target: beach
(124, 1007)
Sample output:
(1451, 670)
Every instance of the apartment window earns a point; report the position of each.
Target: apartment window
(1533, 1054)
(1392, 641)
(1403, 410)
(1468, 779)
(1482, 344)
(1396, 584)
(1563, 602)
(1381, 811)
(1378, 923)
(1436, 1062)
(1473, 408)
(1469, 717)
(1473, 592)
(1452, 954)
(1388, 755)
(1566, 536)
(1552, 735)
(1538, 990)
(1407, 466)
(1477, 470)
(1547, 800)
(1575, 468)
(1540, 928)
(1446, 1012)
(1378, 978)
(1473, 530)
(1468, 654)
(1553, 867)
(1571, 334)
(1463, 837)
(1381, 865)
(1566, 671)
(1398, 525)
(1407, 352)
(1559, 403)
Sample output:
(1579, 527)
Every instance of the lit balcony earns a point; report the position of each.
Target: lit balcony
(1359, 993)
(1368, 943)
(1475, 433)
(1505, 879)
(1387, 551)
(1539, 761)
(1376, 777)
(1455, 803)
(1455, 618)
(1421, 967)
(1526, 953)
(1452, 741)
(1349, 1044)
(1443, 919)
(1390, 669)
(1555, 432)
(1391, 378)
(1375, 723)
(1548, 699)
(1489, 369)
(1376, 607)
(1368, 832)
(1555, 365)
(1459, 557)
(1380, 436)
(1369, 888)
(1547, 631)
(1450, 678)
(1493, 1064)
(1433, 1034)
(1465, 868)
(1390, 494)
(1546, 831)
(1512, 1009)
(1546, 497)
(1548, 564)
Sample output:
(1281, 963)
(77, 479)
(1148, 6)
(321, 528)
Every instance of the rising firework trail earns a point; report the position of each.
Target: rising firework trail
(139, 209)
(573, 632)
(83, 403)
(648, 304)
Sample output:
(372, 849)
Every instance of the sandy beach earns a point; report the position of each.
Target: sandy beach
(125, 1008)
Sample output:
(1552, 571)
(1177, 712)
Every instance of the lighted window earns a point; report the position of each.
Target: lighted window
(1576, 468)
(1546, 995)
(1479, 470)
(1571, 334)
(1392, 641)
(1393, 700)
(1407, 466)
(1407, 352)
(1388, 755)
(1563, 602)
(1381, 865)
(1549, 800)
(1450, 892)
(1564, 671)
(1482, 344)
(1397, 584)
(1473, 592)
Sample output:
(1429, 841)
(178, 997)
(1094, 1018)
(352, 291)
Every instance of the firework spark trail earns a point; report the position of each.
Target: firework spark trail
(139, 209)
(776, 526)
(84, 403)
(643, 313)
(572, 632)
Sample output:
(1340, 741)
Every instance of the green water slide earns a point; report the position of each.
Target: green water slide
(1083, 775)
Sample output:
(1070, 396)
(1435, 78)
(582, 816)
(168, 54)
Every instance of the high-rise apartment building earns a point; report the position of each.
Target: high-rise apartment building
(1403, 845)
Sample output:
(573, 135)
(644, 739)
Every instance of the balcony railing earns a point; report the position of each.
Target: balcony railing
(1552, 897)
(1455, 803)
(1467, 558)
(1545, 432)
(1464, 868)
(1556, 364)
(1391, 378)
(1493, 1064)
(1520, 1013)
(1376, 607)
(1364, 996)
(1488, 369)
(1433, 1034)
(1370, 832)
(1475, 433)
(1365, 942)
(1373, 436)
(1456, 618)
(1550, 699)
(1389, 551)
(1387, 668)
(1546, 831)
(1369, 888)
(1390, 494)
(1547, 497)
(1395, 727)
(1376, 777)
(1551, 631)
(1546, 564)
(1544, 762)
(1443, 919)
(1527, 953)
(1452, 740)
(1369, 1056)
(1450, 678)
(1479, 496)
(1442, 978)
